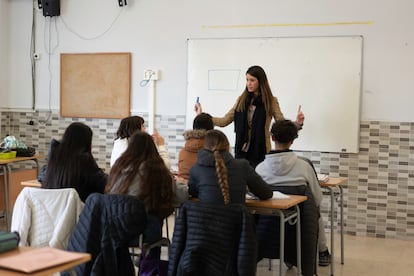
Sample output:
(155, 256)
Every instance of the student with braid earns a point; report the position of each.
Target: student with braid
(219, 178)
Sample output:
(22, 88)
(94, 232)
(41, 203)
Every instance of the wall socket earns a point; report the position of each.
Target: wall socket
(150, 74)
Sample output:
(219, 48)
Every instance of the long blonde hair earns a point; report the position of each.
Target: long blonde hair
(216, 141)
(264, 90)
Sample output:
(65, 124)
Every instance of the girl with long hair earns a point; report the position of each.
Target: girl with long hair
(140, 171)
(71, 164)
(219, 178)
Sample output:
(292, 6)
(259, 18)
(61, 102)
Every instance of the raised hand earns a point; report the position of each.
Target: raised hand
(197, 108)
(300, 117)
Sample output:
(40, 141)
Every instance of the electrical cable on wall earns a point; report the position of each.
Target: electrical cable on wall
(92, 37)
(50, 18)
(32, 63)
(149, 75)
(50, 51)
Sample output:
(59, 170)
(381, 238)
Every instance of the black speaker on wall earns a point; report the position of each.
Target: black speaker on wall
(50, 7)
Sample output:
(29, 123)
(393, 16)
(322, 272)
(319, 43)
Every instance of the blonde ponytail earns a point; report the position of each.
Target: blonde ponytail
(217, 142)
(221, 171)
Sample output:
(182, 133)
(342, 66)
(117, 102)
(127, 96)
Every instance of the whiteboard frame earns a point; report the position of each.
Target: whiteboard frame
(331, 125)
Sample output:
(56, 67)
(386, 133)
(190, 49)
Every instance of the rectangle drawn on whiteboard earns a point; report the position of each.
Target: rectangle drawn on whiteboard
(223, 79)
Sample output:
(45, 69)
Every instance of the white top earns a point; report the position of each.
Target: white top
(120, 145)
(46, 217)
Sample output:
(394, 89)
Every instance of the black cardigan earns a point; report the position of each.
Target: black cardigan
(213, 240)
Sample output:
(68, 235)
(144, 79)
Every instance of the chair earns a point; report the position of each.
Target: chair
(307, 160)
(147, 255)
(213, 240)
(147, 264)
(108, 225)
(46, 217)
(267, 231)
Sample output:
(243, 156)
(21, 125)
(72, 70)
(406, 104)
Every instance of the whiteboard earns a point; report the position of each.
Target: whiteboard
(323, 74)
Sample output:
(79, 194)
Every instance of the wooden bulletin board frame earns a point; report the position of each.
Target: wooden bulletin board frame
(95, 85)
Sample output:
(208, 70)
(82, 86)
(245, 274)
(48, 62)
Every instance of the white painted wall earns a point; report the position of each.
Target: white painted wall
(155, 32)
(4, 50)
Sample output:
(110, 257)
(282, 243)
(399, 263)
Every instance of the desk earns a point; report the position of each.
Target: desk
(5, 164)
(279, 207)
(331, 184)
(81, 258)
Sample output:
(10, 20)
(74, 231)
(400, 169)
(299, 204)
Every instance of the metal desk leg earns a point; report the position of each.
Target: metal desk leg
(282, 243)
(342, 223)
(6, 196)
(283, 221)
(37, 166)
(332, 229)
(298, 242)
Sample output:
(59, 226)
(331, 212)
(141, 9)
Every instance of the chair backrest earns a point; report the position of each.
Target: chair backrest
(108, 225)
(46, 217)
(213, 240)
(307, 160)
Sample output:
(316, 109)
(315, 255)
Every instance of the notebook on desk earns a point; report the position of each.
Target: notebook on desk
(36, 259)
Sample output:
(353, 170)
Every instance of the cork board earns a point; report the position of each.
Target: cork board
(95, 85)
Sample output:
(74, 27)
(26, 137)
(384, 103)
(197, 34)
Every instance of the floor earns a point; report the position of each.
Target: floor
(364, 256)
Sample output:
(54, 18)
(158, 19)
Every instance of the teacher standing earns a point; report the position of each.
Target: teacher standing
(252, 114)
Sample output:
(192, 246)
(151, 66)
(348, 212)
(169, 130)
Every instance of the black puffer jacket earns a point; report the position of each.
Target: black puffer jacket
(203, 181)
(107, 226)
(213, 240)
(268, 232)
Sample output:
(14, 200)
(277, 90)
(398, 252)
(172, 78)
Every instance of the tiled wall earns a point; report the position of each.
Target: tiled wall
(379, 196)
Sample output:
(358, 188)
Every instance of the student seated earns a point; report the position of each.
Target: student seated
(129, 126)
(194, 141)
(282, 167)
(140, 171)
(219, 178)
(70, 163)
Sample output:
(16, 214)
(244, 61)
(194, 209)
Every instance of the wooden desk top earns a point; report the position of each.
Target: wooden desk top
(31, 183)
(281, 204)
(334, 181)
(82, 258)
(18, 159)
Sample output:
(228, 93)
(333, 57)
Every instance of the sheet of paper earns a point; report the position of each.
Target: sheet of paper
(279, 195)
(251, 196)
